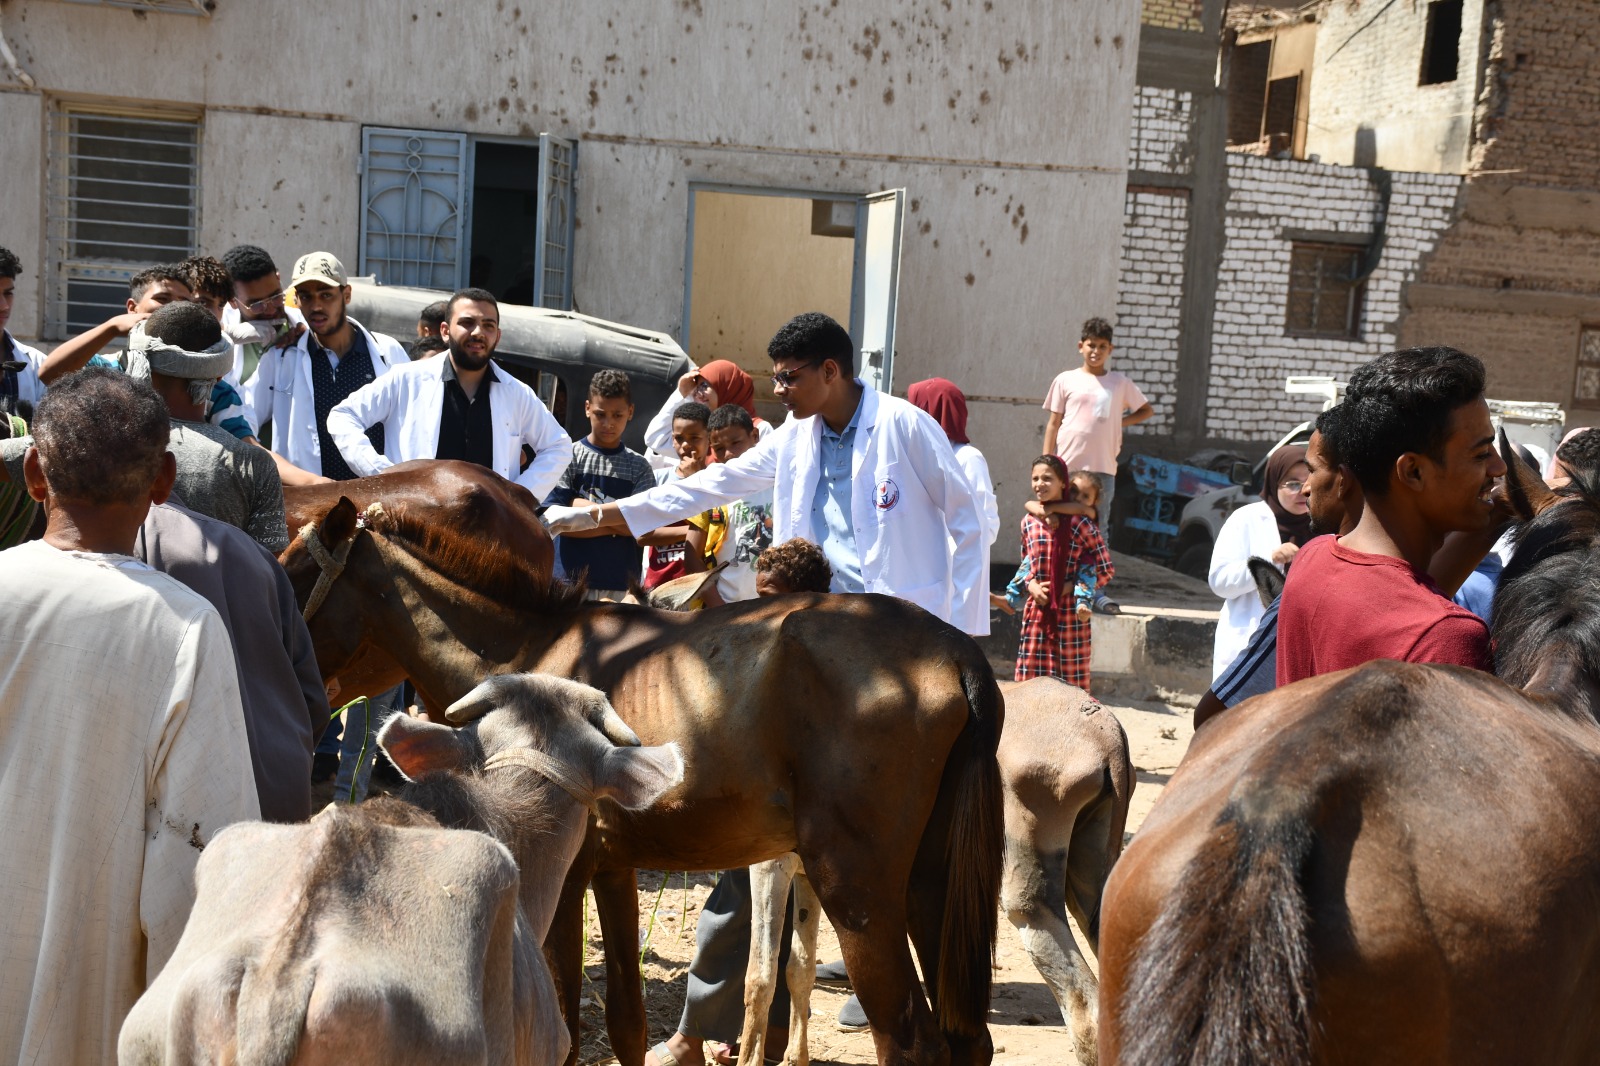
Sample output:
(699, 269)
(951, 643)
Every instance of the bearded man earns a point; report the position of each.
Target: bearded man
(456, 406)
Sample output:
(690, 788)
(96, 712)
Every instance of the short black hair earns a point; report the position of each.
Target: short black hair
(423, 347)
(1327, 424)
(1581, 454)
(248, 262)
(204, 274)
(1097, 329)
(10, 265)
(692, 411)
(185, 324)
(814, 337)
(101, 436)
(483, 296)
(799, 564)
(433, 315)
(610, 385)
(729, 415)
(1403, 402)
(140, 283)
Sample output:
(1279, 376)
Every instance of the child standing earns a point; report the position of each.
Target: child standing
(1055, 635)
(664, 548)
(602, 470)
(740, 531)
(1089, 407)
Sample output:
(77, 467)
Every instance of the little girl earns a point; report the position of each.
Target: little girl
(1055, 636)
(1088, 591)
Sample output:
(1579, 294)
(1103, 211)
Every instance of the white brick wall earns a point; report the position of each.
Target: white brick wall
(1151, 286)
(1160, 140)
(1251, 356)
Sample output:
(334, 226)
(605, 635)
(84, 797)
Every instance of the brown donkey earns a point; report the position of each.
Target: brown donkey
(857, 731)
(1391, 864)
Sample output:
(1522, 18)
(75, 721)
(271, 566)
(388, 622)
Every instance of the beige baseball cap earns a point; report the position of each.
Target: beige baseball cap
(319, 266)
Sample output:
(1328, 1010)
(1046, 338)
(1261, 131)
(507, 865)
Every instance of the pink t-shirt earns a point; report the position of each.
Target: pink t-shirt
(1091, 407)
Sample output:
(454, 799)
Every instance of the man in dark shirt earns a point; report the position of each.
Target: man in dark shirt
(1416, 432)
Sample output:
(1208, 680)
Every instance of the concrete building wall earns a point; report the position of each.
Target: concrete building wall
(1271, 201)
(1367, 108)
(21, 212)
(1006, 124)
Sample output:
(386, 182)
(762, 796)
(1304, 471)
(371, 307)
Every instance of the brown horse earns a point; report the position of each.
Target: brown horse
(1391, 864)
(857, 731)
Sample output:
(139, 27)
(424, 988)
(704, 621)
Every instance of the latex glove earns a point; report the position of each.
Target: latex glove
(257, 332)
(571, 519)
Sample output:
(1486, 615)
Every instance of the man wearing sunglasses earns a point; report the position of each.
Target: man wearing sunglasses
(256, 318)
(867, 476)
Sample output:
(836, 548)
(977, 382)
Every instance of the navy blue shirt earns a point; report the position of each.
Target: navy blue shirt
(601, 475)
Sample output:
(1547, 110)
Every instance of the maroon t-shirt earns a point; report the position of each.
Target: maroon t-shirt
(1342, 608)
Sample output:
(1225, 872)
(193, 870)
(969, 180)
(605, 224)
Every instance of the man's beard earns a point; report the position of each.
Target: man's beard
(334, 324)
(1316, 527)
(465, 360)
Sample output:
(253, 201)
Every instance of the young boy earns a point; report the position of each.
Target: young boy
(602, 470)
(796, 565)
(1089, 407)
(212, 286)
(740, 531)
(665, 548)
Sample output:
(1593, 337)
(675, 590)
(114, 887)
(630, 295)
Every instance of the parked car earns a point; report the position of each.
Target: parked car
(555, 352)
(1538, 425)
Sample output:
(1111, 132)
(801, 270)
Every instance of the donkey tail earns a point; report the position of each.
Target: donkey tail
(975, 849)
(1224, 974)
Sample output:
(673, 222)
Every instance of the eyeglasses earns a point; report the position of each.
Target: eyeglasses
(784, 379)
(257, 306)
(1292, 486)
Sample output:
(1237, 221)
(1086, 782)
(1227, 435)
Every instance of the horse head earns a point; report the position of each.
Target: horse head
(1547, 605)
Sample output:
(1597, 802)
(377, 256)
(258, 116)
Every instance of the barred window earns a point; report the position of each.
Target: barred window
(1325, 291)
(124, 195)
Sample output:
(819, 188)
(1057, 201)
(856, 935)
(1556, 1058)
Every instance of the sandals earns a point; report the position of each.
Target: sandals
(664, 1055)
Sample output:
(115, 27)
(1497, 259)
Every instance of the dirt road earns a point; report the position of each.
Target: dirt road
(1024, 1020)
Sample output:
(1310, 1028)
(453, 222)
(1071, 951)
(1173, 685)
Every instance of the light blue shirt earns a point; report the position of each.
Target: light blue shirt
(830, 505)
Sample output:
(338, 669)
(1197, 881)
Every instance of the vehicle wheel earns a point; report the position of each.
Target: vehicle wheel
(1195, 561)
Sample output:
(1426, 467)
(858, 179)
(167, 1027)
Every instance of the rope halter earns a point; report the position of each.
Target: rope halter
(546, 766)
(330, 563)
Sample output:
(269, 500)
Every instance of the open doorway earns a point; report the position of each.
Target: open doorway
(505, 219)
(756, 260)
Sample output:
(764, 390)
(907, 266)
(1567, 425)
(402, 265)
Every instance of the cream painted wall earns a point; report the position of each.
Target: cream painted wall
(1007, 127)
(22, 205)
(757, 265)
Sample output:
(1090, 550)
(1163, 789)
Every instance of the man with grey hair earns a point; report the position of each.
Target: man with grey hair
(121, 731)
(218, 475)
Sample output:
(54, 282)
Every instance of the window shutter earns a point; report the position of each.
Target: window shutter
(552, 256)
(413, 187)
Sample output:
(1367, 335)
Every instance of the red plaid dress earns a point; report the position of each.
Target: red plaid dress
(1054, 642)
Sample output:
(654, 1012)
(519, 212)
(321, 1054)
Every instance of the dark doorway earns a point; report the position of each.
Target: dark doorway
(1441, 48)
(505, 217)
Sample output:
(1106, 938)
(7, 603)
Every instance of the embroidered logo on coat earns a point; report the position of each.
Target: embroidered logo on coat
(887, 494)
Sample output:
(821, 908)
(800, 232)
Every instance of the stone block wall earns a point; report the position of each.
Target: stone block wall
(1160, 138)
(1172, 14)
(1155, 228)
(1269, 202)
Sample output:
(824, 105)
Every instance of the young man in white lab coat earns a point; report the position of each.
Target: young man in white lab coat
(865, 475)
(295, 387)
(458, 405)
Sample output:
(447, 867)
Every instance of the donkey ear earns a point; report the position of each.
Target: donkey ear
(637, 777)
(1524, 487)
(339, 524)
(1269, 582)
(417, 747)
(680, 592)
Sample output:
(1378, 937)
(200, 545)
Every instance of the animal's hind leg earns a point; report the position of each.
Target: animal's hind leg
(769, 892)
(1034, 895)
(563, 949)
(616, 897)
(802, 973)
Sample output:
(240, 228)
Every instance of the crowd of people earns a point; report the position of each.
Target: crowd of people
(154, 623)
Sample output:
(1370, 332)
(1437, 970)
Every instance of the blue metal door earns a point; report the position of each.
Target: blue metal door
(413, 187)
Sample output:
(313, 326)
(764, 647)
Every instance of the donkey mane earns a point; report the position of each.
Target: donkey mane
(1548, 600)
(480, 564)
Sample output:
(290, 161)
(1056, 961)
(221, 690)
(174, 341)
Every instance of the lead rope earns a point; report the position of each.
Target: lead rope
(544, 765)
(331, 564)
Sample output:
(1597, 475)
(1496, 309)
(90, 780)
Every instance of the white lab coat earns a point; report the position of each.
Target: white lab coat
(659, 449)
(231, 315)
(280, 392)
(30, 389)
(976, 467)
(409, 400)
(1252, 530)
(918, 531)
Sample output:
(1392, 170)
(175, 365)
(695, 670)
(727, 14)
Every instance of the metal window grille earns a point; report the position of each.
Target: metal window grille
(1586, 389)
(553, 254)
(124, 194)
(1325, 291)
(413, 185)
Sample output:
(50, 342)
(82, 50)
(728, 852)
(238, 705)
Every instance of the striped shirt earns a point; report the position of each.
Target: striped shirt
(602, 476)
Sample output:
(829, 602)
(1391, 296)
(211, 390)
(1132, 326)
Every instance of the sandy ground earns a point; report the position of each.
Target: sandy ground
(1024, 1020)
